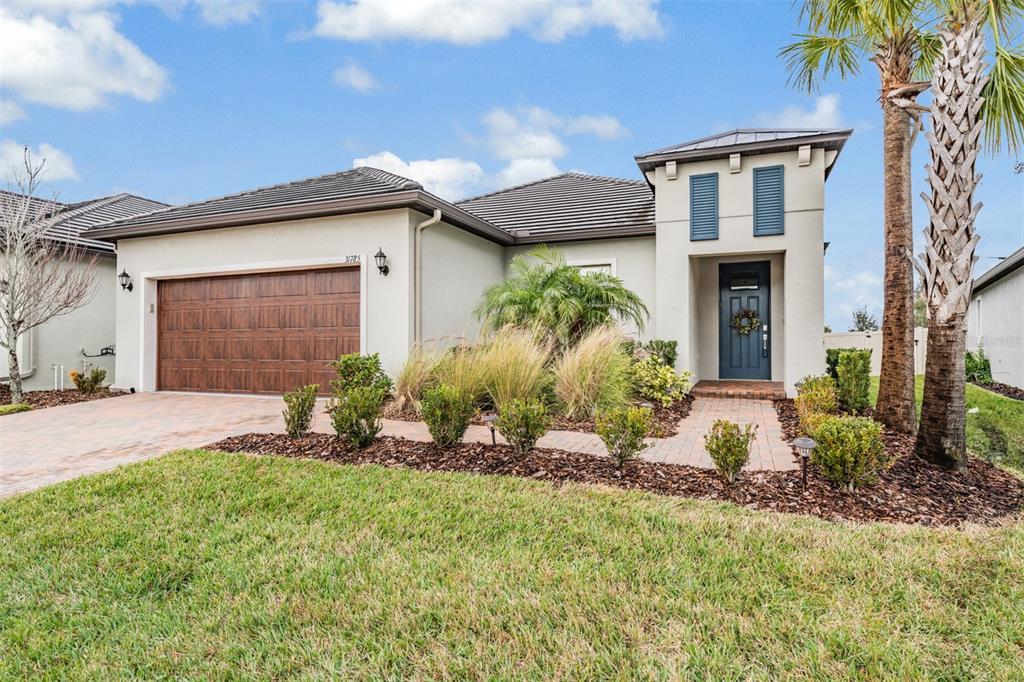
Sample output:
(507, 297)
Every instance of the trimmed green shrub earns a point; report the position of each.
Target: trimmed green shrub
(854, 370)
(355, 370)
(298, 410)
(656, 381)
(14, 408)
(729, 446)
(90, 382)
(977, 367)
(355, 414)
(816, 398)
(664, 349)
(832, 359)
(593, 375)
(623, 430)
(850, 452)
(447, 412)
(522, 423)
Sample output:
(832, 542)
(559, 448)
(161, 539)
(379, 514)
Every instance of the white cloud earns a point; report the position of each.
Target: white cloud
(849, 292)
(604, 127)
(526, 136)
(472, 23)
(354, 76)
(519, 171)
(448, 178)
(224, 12)
(75, 60)
(10, 112)
(824, 114)
(58, 164)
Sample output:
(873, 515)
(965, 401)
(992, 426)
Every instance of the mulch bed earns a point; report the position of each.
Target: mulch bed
(1003, 389)
(41, 399)
(910, 492)
(666, 419)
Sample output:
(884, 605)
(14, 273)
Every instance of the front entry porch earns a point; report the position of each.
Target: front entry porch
(752, 390)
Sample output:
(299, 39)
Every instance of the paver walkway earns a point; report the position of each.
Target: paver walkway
(46, 446)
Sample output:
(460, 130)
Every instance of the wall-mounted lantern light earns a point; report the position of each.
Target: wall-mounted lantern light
(126, 281)
(804, 446)
(382, 261)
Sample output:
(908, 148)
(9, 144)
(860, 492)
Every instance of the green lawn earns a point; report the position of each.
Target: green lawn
(995, 431)
(205, 565)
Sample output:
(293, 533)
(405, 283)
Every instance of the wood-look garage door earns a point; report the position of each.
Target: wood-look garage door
(259, 333)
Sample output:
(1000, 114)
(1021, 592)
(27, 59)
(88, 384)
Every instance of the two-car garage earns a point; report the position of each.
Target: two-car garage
(266, 332)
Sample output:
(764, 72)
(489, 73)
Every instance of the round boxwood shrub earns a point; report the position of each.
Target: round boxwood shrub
(447, 412)
(850, 451)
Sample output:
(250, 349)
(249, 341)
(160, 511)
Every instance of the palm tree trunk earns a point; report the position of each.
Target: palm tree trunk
(895, 407)
(947, 263)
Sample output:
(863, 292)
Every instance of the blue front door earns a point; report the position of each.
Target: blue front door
(744, 288)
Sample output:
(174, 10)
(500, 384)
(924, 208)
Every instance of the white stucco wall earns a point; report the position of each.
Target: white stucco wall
(457, 267)
(798, 319)
(995, 321)
(386, 306)
(61, 340)
(632, 260)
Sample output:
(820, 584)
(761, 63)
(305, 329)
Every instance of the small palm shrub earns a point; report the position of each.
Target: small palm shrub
(522, 423)
(90, 382)
(623, 429)
(977, 367)
(355, 370)
(13, 408)
(657, 382)
(729, 446)
(298, 410)
(447, 412)
(854, 371)
(355, 414)
(816, 399)
(512, 364)
(414, 376)
(850, 452)
(594, 375)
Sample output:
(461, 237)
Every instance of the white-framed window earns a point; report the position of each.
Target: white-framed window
(607, 265)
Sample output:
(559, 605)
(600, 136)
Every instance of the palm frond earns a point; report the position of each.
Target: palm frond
(929, 45)
(813, 57)
(1003, 109)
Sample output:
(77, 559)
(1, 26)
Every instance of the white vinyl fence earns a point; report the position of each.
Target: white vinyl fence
(873, 340)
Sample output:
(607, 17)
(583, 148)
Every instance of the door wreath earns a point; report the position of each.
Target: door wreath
(745, 321)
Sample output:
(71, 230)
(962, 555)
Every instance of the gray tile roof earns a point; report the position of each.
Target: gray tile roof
(355, 182)
(568, 206)
(69, 221)
(1005, 267)
(749, 140)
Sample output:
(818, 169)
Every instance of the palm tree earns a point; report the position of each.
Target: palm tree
(544, 291)
(891, 34)
(967, 98)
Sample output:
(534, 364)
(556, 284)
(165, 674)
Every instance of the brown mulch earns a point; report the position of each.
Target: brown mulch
(1003, 389)
(666, 419)
(911, 491)
(41, 399)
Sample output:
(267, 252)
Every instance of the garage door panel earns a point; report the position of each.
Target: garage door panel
(260, 333)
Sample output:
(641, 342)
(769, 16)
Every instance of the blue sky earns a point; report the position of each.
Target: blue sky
(180, 100)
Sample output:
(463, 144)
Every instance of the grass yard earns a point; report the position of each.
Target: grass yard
(995, 432)
(208, 565)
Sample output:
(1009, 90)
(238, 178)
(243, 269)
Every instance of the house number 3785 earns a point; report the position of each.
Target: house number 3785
(352, 259)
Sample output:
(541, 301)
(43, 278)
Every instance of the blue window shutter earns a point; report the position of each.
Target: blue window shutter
(704, 206)
(769, 213)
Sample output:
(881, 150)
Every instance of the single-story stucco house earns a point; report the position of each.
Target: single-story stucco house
(254, 292)
(85, 337)
(995, 321)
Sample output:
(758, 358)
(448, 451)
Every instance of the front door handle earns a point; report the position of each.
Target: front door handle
(764, 345)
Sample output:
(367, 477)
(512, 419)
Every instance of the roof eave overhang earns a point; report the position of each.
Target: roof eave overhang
(834, 140)
(590, 234)
(998, 273)
(414, 199)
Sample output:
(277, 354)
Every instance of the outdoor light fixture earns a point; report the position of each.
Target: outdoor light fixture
(489, 419)
(126, 281)
(804, 445)
(382, 261)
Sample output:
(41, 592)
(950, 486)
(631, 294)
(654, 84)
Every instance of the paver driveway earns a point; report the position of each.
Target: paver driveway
(55, 444)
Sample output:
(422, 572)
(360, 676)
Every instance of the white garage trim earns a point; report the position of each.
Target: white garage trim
(148, 299)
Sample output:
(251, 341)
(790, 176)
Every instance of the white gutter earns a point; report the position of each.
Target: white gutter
(418, 284)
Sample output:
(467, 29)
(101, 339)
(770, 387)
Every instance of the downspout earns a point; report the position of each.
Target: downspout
(418, 284)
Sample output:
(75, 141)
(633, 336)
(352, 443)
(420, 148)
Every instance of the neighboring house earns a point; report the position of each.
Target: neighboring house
(256, 291)
(76, 340)
(995, 320)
